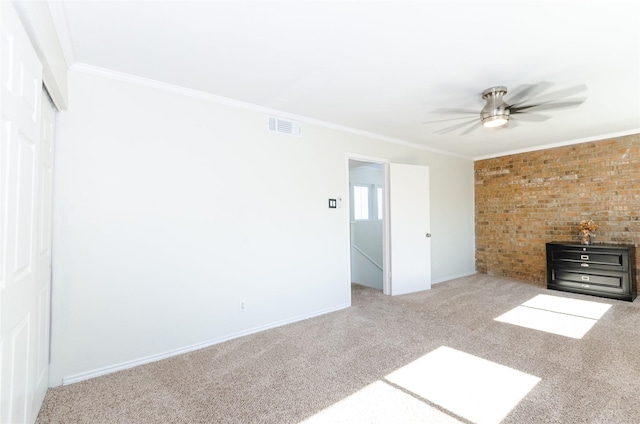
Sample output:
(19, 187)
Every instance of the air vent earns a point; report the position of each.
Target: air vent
(284, 126)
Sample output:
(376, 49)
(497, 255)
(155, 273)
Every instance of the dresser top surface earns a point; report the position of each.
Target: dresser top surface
(592, 245)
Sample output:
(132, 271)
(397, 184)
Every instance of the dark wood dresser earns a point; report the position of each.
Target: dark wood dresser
(606, 270)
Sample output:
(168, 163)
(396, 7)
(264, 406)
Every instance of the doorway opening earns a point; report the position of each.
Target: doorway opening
(389, 225)
(368, 212)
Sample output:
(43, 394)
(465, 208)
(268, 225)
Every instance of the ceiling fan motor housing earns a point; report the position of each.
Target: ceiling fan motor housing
(496, 112)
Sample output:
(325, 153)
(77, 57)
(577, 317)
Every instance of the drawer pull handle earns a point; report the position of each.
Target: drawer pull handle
(585, 278)
(585, 265)
(585, 286)
(584, 257)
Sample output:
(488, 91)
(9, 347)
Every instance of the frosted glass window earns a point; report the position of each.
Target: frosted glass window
(379, 198)
(360, 202)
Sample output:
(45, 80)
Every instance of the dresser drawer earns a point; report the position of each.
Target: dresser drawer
(593, 258)
(599, 280)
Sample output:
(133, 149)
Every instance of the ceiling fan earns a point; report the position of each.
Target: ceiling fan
(497, 113)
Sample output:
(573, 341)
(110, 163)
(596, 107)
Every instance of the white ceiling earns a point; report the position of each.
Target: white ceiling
(380, 67)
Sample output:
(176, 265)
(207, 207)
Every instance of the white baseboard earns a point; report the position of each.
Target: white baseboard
(157, 357)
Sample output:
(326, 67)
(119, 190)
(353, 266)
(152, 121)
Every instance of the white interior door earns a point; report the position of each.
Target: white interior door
(24, 316)
(409, 228)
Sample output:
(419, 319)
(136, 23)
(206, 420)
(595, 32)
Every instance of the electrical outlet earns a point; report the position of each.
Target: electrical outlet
(242, 305)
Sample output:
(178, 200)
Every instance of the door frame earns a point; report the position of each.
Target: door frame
(386, 257)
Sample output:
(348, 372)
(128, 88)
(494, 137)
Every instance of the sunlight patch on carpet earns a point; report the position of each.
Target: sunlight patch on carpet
(557, 315)
(577, 307)
(470, 387)
(380, 403)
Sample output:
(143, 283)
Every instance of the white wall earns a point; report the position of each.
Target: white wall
(170, 210)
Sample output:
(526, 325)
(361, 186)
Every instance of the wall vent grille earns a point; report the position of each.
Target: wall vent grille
(284, 126)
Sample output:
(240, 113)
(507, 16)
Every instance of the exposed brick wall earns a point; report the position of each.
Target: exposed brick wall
(523, 201)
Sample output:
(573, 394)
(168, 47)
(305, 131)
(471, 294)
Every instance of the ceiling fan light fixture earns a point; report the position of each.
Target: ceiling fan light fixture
(495, 121)
(496, 112)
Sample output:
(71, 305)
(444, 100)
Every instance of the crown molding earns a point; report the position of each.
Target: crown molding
(563, 143)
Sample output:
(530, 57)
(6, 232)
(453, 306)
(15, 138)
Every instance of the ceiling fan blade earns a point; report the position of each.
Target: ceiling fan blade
(457, 126)
(510, 125)
(531, 117)
(474, 126)
(527, 91)
(446, 110)
(447, 119)
(547, 106)
(554, 95)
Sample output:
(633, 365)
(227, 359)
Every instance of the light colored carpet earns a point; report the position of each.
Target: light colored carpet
(438, 356)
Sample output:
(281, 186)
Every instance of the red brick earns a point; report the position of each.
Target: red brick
(523, 201)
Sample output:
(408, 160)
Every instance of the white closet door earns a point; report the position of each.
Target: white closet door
(23, 321)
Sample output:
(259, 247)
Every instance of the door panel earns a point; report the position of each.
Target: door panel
(21, 187)
(409, 225)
